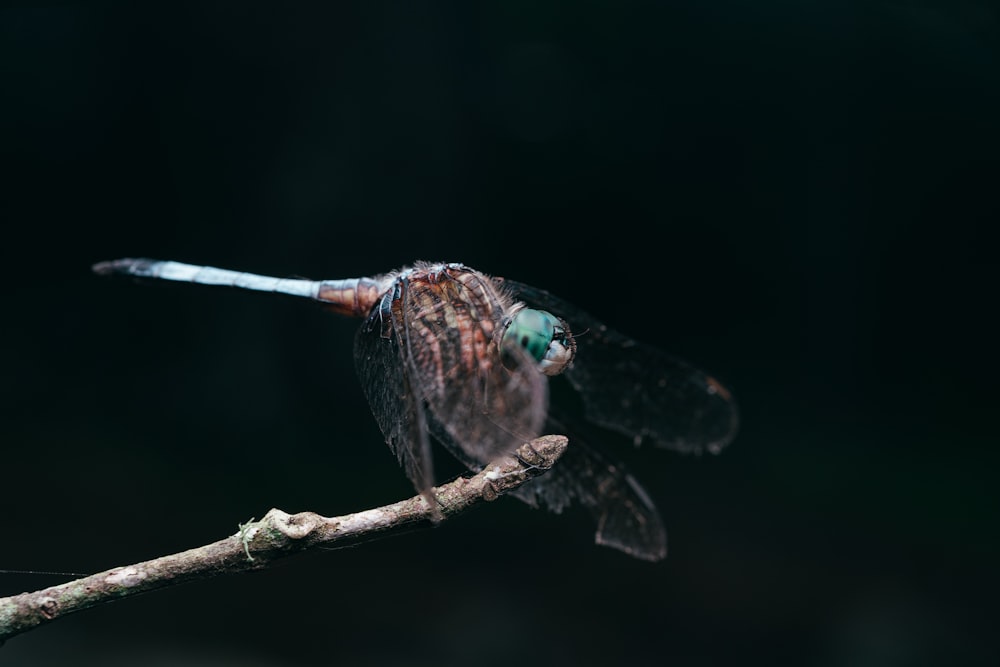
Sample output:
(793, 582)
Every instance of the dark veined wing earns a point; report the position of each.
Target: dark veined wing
(639, 390)
(380, 363)
(487, 408)
(428, 345)
(626, 517)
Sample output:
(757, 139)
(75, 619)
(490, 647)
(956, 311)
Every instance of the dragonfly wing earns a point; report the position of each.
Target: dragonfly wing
(486, 409)
(638, 390)
(626, 517)
(381, 366)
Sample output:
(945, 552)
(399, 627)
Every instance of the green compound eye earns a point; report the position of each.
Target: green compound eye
(532, 330)
(544, 337)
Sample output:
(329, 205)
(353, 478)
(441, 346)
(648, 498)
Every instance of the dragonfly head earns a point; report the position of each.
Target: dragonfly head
(545, 338)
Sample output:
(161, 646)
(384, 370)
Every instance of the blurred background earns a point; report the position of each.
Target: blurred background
(794, 196)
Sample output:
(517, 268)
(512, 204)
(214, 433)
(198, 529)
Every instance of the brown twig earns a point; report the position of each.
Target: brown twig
(259, 543)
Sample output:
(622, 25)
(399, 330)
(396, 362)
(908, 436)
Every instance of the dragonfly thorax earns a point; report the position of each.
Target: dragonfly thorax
(545, 337)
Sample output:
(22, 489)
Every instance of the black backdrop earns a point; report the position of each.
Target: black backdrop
(792, 195)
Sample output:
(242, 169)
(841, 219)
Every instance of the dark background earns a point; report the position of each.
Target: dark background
(794, 196)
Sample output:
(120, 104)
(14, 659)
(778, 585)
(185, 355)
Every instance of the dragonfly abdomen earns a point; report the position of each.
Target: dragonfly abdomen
(353, 297)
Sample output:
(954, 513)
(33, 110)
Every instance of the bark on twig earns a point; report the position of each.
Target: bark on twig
(259, 543)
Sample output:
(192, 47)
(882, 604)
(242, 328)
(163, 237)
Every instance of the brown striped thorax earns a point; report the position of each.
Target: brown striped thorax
(465, 301)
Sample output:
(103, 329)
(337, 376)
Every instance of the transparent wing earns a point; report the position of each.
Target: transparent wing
(381, 364)
(426, 360)
(637, 389)
(486, 408)
(626, 518)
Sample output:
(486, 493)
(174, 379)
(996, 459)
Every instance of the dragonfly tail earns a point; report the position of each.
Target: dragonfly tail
(207, 275)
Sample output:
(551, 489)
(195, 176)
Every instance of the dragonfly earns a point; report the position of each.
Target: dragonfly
(449, 354)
